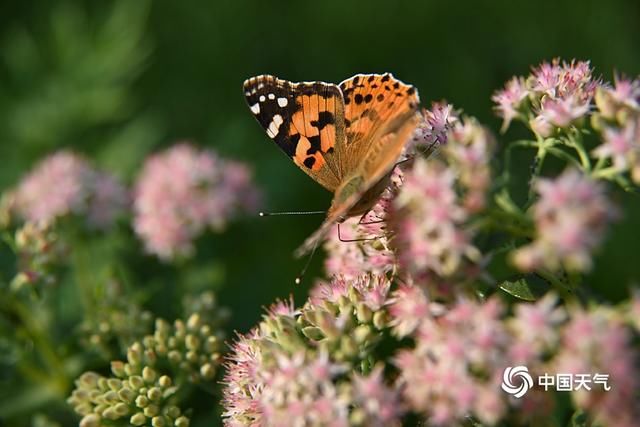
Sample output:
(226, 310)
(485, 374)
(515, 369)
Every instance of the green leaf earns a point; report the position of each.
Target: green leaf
(519, 289)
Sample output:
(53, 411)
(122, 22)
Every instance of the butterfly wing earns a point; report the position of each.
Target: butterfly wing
(380, 116)
(373, 102)
(306, 120)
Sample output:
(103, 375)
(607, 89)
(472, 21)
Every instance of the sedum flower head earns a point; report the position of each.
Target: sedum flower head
(469, 152)
(618, 120)
(510, 100)
(434, 126)
(359, 354)
(359, 246)
(621, 145)
(453, 371)
(144, 398)
(39, 252)
(554, 95)
(616, 102)
(114, 324)
(183, 191)
(310, 367)
(536, 329)
(437, 198)
(64, 184)
(147, 388)
(599, 342)
(571, 217)
(456, 366)
(192, 348)
(428, 221)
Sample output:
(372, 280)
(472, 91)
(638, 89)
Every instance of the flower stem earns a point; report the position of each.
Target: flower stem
(575, 141)
(562, 287)
(609, 173)
(53, 374)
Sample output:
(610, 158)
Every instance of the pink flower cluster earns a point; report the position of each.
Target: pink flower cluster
(510, 100)
(305, 366)
(434, 126)
(356, 247)
(469, 153)
(618, 118)
(558, 95)
(599, 342)
(428, 222)
(66, 184)
(295, 389)
(438, 374)
(456, 367)
(183, 191)
(571, 217)
(297, 366)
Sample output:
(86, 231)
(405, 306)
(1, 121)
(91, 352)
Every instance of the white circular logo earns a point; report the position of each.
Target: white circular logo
(523, 381)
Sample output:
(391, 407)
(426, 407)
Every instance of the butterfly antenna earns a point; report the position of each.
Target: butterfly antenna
(304, 270)
(291, 213)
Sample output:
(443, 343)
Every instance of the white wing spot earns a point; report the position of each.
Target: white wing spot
(260, 85)
(282, 102)
(274, 126)
(247, 93)
(255, 108)
(271, 96)
(262, 98)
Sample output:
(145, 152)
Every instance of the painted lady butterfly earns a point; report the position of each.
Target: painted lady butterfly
(346, 137)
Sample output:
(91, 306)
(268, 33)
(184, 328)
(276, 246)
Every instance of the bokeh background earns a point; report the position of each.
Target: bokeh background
(119, 80)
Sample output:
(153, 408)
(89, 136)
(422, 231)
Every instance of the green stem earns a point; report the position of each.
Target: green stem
(575, 141)
(507, 157)
(602, 161)
(624, 183)
(503, 224)
(609, 173)
(564, 156)
(564, 289)
(543, 146)
(54, 373)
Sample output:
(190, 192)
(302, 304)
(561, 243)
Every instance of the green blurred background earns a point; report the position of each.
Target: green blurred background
(117, 80)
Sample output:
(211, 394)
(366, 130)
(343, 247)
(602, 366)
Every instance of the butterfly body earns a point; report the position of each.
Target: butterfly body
(366, 198)
(346, 137)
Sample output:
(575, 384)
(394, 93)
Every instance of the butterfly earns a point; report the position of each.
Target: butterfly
(347, 137)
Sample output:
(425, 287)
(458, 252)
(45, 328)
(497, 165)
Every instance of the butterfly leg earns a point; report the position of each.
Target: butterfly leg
(375, 221)
(427, 151)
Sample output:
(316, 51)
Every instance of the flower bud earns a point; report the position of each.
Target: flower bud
(148, 375)
(138, 419)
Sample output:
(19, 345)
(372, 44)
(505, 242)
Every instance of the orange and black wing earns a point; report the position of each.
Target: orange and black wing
(375, 105)
(380, 117)
(306, 120)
